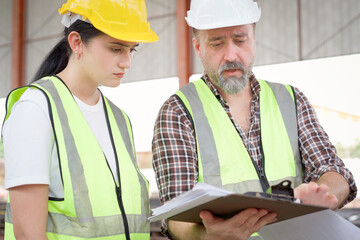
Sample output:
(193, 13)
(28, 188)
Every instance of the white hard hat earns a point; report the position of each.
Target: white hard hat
(210, 14)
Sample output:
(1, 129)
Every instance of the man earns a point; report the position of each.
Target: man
(240, 133)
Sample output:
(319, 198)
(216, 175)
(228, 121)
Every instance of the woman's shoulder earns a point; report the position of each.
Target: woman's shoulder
(33, 95)
(31, 101)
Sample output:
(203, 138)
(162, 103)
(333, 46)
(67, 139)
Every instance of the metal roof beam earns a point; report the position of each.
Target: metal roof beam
(18, 63)
(184, 63)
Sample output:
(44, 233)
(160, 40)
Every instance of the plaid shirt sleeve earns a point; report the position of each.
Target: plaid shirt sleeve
(318, 154)
(174, 151)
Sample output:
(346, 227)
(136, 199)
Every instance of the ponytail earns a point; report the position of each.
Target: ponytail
(55, 61)
(58, 57)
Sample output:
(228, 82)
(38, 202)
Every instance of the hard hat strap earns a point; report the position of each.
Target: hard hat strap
(69, 18)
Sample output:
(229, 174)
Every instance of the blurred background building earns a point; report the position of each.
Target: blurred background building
(311, 44)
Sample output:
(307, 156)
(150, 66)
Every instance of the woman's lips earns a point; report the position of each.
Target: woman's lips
(119, 75)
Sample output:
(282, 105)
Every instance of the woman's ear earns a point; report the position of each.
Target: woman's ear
(75, 43)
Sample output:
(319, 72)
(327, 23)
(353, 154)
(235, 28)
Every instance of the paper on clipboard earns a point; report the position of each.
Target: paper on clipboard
(199, 195)
(188, 206)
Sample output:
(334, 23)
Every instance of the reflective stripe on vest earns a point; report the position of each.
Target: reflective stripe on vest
(90, 207)
(223, 165)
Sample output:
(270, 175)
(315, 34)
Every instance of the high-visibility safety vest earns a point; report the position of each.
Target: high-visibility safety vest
(94, 205)
(223, 160)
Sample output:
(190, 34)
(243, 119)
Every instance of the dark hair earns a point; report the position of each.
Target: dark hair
(58, 58)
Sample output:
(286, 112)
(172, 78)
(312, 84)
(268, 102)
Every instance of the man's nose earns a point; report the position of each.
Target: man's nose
(230, 53)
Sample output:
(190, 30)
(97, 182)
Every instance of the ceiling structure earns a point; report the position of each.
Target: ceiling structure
(289, 30)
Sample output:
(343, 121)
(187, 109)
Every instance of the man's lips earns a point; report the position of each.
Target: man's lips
(232, 72)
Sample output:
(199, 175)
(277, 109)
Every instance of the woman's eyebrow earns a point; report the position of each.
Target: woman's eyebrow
(124, 45)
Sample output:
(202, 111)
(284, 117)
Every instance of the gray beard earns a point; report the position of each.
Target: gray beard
(231, 85)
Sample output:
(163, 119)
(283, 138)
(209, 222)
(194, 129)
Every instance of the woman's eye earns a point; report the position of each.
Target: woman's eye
(116, 49)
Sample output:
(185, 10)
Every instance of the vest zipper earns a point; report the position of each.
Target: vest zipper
(263, 180)
(261, 174)
(117, 186)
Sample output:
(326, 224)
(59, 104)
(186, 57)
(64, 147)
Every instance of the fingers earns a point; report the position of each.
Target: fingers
(310, 188)
(256, 221)
(245, 215)
(249, 218)
(266, 219)
(300, 190)
(332, 199)
(323, 189)
(240, 226)
(253, 219)
(260, 219)
(206, 215)
(312, 193)
(209, 219)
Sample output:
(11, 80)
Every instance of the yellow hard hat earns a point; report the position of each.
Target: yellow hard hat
(121, 19)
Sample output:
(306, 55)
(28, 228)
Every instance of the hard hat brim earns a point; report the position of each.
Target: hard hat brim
(134, 37)
(219, 25)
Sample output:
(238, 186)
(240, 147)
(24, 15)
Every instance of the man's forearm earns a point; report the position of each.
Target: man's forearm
(337, 185)
(184, 230)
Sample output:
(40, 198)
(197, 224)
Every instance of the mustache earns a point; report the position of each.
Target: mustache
(232, 65)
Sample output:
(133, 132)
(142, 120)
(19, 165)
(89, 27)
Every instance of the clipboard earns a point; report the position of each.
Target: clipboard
(224, 204)
(230, 205)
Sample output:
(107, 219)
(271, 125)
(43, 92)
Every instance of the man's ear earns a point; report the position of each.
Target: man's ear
(196, 45)
(75, 42)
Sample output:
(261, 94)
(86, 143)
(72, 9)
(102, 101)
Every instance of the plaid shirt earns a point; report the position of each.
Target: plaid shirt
(174, 145)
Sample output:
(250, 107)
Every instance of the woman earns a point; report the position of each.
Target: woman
(69, 154)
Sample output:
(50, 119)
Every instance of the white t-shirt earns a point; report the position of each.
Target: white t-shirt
(29, 147)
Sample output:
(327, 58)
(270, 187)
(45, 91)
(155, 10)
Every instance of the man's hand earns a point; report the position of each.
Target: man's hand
(241, 226)
(315, 194)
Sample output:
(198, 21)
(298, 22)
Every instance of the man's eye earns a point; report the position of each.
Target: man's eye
(216, 44)
(133, 50)
(240, 40)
